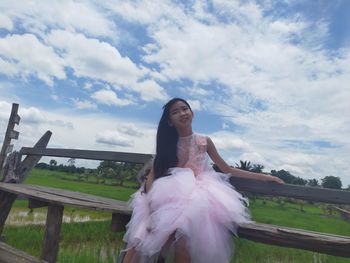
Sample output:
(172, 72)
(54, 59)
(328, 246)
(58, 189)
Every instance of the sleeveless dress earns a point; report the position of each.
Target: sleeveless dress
(194, 202)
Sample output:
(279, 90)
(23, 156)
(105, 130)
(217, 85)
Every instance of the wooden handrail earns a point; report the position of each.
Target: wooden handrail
(317, 194)
(88, 154)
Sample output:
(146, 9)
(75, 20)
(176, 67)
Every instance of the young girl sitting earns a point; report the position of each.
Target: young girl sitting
(185, 208)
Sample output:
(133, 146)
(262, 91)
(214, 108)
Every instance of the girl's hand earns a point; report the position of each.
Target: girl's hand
(274, 179)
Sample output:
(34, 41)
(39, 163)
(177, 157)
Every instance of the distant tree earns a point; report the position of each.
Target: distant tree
(286, 176)
(244, 165)
(299, 181)
(71, 161)
(53, 162)
(313, 182)
(42, 166)
(331, 182)
(257, 168)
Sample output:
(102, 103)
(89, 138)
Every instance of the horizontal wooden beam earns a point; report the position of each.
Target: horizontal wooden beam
(335, 245)
(296, 238)
(317, 194)
(9, 254)
(88, 154)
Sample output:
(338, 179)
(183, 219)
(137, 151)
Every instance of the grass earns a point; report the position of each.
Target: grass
(94, 242)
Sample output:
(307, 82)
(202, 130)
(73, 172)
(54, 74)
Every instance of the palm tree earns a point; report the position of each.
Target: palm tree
(244, 165)
(257, 168)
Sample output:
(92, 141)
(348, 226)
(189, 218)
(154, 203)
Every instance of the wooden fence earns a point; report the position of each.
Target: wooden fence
(55, 200)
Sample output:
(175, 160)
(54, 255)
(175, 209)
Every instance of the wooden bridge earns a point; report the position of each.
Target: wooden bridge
(56, 200)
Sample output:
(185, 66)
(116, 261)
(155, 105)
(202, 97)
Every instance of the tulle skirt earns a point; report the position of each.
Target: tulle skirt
(202, 211)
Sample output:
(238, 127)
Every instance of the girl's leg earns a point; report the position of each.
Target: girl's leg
(181, 253)
(131, 256)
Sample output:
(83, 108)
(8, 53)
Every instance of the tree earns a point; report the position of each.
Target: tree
(299, 181)
(53, 162)
(244, 165)
(313, 182)
(71, 161)
(257, 168)
(284, 175)
(331, 182)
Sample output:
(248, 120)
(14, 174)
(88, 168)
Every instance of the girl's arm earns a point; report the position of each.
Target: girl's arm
(225, 168)
(149, 180)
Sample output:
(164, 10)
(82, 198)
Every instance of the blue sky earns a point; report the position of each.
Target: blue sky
(268, 80)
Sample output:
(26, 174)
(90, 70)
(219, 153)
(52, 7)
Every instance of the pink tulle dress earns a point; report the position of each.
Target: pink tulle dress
(194, 203)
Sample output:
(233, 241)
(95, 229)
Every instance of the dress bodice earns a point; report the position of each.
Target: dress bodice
(192, 153)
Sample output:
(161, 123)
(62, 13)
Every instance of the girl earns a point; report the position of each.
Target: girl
(185, 208)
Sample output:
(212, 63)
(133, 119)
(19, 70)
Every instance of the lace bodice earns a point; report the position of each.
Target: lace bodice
(192, 153)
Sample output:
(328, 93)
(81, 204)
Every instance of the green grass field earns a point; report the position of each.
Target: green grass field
(91, 242)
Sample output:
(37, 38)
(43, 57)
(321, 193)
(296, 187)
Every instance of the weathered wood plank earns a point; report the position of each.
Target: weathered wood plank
(317, 194)
(34, 203)
(72, 194)
(9, 254)
(7, 140)
(64, 197)
(296, 238)
(30, 161)
(6, 201)
(343, 213)
(52, 233)
(88, 154)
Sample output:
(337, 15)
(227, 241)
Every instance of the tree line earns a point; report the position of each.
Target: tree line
(122, 172)
(118, 172)
(330, 181)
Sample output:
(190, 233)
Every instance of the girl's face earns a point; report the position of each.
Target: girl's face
(180, 115)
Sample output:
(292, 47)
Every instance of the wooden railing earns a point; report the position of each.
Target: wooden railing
(57, 199)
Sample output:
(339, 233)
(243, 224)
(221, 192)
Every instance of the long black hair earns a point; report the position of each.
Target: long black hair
(167, 138)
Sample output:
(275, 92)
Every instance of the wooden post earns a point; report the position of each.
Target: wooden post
(52, 233)
(6, 201)
(10, 134)
(119, 222)
(30, 161)
(11, 167)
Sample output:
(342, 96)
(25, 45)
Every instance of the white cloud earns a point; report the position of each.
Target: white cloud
(271, 74)
(229, 141)
(6, 22)
(38, 17)
(5, 110)
(84, 104)
(99, 60)
(24, 55)
(195, 105)
(32, 115)
(109, 97)
(114, 138)
(150, 90)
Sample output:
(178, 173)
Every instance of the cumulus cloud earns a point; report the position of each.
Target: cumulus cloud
(38, 17)
(84, 104)
(32, 115)
(24, 55)
(272, 77)
(114, 138)
(229, 141)
(6, 22)
(92, 58)
(5, 110)
(109, 97)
